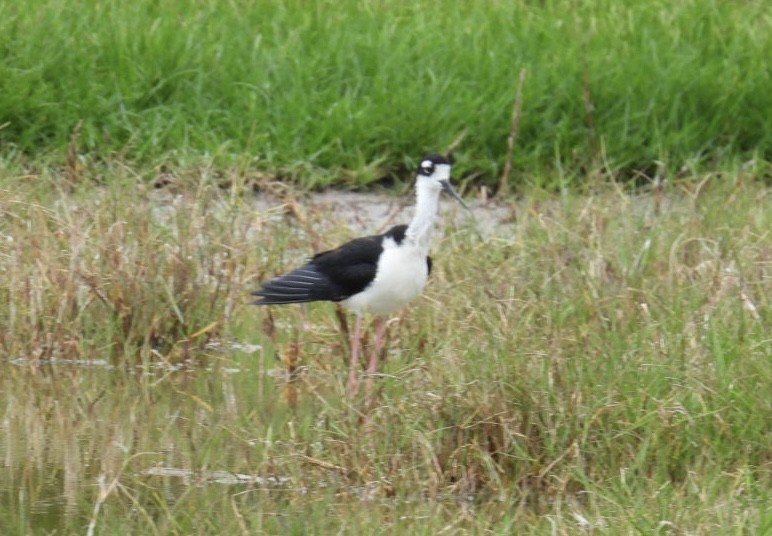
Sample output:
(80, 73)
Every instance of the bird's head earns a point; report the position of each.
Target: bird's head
(434, 172)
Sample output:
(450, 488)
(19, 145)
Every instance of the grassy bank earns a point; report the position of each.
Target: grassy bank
(595, 363)
(327, 89)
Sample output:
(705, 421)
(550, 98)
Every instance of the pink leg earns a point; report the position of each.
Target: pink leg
(353, 383)
(372, 365)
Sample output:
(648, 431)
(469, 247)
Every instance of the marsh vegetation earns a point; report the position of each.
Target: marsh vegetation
(596, 362)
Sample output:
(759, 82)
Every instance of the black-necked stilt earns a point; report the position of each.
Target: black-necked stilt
(374, 274)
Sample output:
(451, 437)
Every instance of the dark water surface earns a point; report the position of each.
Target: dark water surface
(71, 429)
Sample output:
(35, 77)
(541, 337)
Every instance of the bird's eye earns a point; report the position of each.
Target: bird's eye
(427, 167)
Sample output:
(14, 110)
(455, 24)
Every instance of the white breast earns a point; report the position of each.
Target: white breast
(401, 276)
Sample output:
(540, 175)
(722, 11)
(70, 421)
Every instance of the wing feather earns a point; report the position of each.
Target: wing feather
(332, 275)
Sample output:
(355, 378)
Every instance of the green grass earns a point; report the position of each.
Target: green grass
(598, 363)
(349, 91)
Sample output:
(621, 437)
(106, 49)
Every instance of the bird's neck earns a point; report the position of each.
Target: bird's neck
(419, 232)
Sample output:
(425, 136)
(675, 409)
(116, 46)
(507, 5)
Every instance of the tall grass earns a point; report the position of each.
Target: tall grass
(324, 89)
(598, 363)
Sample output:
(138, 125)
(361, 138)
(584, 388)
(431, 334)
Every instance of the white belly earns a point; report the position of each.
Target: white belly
(401, 276)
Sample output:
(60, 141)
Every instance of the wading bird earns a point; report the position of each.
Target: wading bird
(375, 274)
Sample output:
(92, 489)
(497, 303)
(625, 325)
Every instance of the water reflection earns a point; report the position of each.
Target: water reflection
(191, 477)
(66, 426)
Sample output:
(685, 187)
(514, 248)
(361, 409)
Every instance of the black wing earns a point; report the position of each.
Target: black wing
(332, 275)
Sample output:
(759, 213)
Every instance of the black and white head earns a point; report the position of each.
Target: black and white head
(434, 172)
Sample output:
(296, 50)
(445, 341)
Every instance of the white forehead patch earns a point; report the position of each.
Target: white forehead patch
(426, 163)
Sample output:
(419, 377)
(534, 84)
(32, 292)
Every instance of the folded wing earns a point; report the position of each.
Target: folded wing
(332, 275)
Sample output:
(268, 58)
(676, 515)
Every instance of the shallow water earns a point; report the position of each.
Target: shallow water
(78, 434)
(68, 428)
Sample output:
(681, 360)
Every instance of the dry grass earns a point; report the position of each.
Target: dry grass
(121, 274)
(597, 363)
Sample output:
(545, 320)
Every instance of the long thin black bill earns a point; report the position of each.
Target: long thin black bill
(449, 189)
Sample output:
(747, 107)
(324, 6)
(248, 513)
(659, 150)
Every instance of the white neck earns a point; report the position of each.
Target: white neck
(419, 232)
